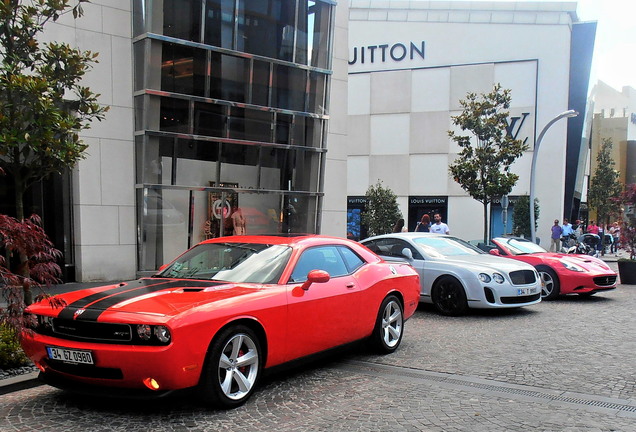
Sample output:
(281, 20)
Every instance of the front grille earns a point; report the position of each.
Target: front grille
(523, 277)
(605, 280)
(86, 371)
(520, 299)
(86, 330)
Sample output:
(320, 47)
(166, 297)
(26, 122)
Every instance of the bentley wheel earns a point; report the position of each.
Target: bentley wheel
(232, 367)
(550, 288)
(449, 297)
(389, 326)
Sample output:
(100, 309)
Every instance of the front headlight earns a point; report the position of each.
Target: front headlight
(162, 334)
(498, 278)
(144, 331)
(571, 266)
(484, 277)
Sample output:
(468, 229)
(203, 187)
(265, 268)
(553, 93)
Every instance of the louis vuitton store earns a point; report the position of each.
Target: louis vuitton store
(411, 63)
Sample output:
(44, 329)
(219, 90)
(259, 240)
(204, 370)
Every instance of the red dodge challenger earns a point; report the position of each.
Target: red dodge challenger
(561, 273)
(219, 314)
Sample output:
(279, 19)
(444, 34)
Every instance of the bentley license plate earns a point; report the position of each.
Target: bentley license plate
(71, 356)
(526, 291)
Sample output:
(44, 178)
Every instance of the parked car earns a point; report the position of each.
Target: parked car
(219, 314)
(561, 273)
(455, 275)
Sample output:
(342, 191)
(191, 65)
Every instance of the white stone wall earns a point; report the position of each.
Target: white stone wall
(103, 183)
(334, 209)
(400, 111)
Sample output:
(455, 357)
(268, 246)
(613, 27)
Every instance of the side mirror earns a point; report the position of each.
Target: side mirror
(407, 253)
(315, 276)
(494, 252)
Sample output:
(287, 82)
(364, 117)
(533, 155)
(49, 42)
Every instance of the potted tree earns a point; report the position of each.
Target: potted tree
(627, 266)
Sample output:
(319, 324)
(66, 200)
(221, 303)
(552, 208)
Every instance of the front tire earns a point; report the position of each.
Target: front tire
(389, 325)
(551, 287)
(233, 366)
(449, 297)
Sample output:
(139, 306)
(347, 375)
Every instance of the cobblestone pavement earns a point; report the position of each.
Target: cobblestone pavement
(566, 365)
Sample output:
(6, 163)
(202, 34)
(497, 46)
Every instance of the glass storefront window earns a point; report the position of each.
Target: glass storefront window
(283, 128)
(266, 28)
(288, 88)
(252, 125)
(183, 69)
(318, 23)
(139, 50)
(174, 115)
(260, 83)
(229, 77)
(219, 23)
(182, 19)
(209, 119)
(317, 92)
(154, 159)
(239, 165)
(196, 162)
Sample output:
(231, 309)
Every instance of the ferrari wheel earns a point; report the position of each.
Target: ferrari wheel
(232, 368)
(550, 283)
(449, 297)
(389, 326)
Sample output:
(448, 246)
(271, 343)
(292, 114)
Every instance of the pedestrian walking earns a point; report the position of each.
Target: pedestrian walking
(555, 236)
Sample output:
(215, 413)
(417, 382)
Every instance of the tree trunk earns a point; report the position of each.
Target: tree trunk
(485, 223)
(23, 267)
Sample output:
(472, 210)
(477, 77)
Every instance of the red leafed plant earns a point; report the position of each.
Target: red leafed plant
(28, 240)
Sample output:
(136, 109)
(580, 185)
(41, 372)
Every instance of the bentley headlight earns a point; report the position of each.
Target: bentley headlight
(571, 266)
(498, 278)
(484, 277)
(162, 334)
(144, 331)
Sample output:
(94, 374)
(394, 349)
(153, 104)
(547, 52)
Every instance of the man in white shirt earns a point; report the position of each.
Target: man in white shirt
(439, 226)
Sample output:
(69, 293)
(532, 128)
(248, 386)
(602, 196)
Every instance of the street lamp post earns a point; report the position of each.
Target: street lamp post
(568, 113)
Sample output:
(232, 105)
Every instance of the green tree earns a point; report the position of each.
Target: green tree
(482, 167)
(381, 210)
(521, 216)
(604, 186)
(43, 107)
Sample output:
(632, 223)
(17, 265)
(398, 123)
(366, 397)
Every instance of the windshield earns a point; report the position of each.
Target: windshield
(521, 246)
(445, 246)
(231, 262)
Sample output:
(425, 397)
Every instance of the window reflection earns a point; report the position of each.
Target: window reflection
(174, 115)
(182, 19)
(288, 88)
(183, 70)
(247, 124)
(266, 28)
(229, 77)
(209, 119)
(219, 23)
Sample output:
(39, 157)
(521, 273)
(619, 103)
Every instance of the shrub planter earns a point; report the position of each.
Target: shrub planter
(627, 271)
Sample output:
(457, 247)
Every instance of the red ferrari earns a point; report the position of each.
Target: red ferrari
(560, 273)
(219, 314)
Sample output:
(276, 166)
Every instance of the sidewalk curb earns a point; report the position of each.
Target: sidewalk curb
(20, 382)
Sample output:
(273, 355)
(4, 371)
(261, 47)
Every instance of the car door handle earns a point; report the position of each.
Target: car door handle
(350, 285)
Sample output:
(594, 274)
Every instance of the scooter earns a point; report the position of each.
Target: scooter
(585, 244)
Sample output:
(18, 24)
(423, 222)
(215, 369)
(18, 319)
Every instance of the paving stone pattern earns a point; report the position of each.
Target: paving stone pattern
(566, 365)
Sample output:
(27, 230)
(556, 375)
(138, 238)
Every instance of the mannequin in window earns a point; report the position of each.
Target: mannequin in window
(238, 221)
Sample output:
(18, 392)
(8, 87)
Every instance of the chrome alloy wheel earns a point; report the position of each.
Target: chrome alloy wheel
(238, 366)
(392, 322)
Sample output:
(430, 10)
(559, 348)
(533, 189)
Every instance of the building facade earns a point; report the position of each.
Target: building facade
(218, 124)
(410, 64)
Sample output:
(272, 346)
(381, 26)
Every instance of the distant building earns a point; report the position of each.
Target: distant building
(410, 63)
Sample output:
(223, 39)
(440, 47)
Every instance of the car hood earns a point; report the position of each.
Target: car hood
(586, 261)
(483, 262)
(148, 296)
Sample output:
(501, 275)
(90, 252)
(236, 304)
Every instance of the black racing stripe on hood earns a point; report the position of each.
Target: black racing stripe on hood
(96, 304)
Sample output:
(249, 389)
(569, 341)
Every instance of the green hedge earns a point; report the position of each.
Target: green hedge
(11, 354)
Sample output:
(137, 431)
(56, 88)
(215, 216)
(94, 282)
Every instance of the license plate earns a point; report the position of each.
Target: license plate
(70, 356)
(526, 291)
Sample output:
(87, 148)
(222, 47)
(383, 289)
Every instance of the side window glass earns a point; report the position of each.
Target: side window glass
(324, 258)
(352, 260)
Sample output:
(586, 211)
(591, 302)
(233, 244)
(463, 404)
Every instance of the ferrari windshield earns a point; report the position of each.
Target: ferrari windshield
(231, 262)
(446, 246)
(521, 246)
